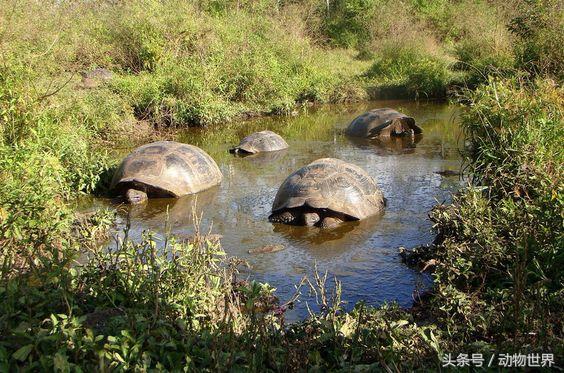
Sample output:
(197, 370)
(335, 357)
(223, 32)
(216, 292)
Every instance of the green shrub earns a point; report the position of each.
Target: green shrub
(136, 42)
(538, 26)
(347, 23)
(244, 65)
(166, 305)
(499, 277)
(479, 60)
(412, 70)
(474, 33)
(46, 157)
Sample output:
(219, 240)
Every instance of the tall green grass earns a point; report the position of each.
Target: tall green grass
(410, 72)
(175, 62)
(426, 49)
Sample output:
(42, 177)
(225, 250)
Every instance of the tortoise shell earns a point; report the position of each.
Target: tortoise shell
(333, 184)
(167, 169)
(382, 122)
(263, 141)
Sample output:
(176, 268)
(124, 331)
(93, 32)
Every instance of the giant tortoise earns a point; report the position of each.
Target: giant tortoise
(165, 169)
(384, 123)
(263, 141)
(326, 193)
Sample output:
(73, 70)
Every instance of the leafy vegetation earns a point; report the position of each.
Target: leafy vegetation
(411, 72)
(497, 255)
(168, 305)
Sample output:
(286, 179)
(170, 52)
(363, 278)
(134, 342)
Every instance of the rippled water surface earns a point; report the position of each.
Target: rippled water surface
(363, 255)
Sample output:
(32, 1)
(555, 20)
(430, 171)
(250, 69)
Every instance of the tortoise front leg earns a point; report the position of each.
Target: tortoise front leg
(285, 217)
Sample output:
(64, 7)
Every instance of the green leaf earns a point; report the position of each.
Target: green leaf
(118, 357)
(61, 363)
(23, 352)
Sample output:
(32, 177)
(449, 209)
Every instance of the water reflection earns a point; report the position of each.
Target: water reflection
(388, 145)
(329, 243)
(259, 159)
(176, 212)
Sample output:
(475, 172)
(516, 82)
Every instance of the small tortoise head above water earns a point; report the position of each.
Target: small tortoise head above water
(135, 197)
(326, 193)
(382, 123)
(165, 169)
(263, 141)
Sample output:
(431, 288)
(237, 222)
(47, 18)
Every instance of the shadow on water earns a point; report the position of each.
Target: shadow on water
(260, 159)
(328, 243)
(178, 212)
(362, 254)
(391, 145)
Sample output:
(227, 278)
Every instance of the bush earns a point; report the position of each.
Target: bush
(538, 26)
(415, 72)
(499, 277)
(480, 60)
(168, 305)
(46, 157)
(347, 23)
(212, 77)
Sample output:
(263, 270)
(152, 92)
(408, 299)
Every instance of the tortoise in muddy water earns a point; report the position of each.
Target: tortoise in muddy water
(326, 193)
(165, 169)
(258, 142)
(382, 123)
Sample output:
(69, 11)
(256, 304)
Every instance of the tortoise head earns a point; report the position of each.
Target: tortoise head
(134, 196)
(311, 218)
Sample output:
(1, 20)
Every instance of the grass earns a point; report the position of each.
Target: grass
(408, 72)
(175, 70)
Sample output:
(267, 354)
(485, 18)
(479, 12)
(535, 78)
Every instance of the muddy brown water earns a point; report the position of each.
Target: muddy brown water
(362, 255)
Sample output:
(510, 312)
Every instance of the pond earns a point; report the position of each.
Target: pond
(362, 255)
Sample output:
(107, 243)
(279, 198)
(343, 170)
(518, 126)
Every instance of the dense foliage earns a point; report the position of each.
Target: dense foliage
(497, 256)
(169, 305)
(499, 251)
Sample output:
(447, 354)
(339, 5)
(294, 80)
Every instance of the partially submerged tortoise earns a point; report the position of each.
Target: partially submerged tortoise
(165, 169)
(382, 122)
(326, 193)
(263, 141)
